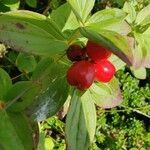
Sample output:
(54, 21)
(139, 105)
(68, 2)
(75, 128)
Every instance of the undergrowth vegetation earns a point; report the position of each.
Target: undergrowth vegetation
(121, 128)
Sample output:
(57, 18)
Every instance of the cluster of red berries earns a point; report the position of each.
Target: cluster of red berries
(90, 63)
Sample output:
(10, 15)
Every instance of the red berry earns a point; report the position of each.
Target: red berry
(104, 70)
(81, 74)
(97, 52)
(76, 53)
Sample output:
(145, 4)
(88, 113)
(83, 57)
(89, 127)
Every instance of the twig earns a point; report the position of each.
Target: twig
(141, 113)
(47, 9)
(7, 66)
(137, 110)
(17, 76)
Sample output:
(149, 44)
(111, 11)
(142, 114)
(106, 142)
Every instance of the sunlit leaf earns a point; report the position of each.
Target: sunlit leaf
(11, 4)
(143, 47)
(67, 19)
(81, 121)
(106, 95)
(130, 10)
(117, 62)
(104, 18)
(31, 32)
(82, 8)
(139, 73)
(143, 17)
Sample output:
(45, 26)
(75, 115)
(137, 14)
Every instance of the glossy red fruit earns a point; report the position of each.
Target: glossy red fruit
(81, 74)
(76, 53)
(97, 52)
(104, 70)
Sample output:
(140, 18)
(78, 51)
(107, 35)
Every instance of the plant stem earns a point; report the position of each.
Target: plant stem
(47, 9)
(17, 76)
(137, 110)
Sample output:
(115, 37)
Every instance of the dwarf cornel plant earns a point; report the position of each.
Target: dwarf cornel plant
(37, 78)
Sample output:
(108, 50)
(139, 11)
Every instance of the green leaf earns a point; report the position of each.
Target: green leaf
(146, 21)
(5, 83)
(117, 62)
(21, 95)
(42, 69)
(32, 3)
(106, 95)
(143, 41)
(3, 8)
(137, 53)
(115, 42)
(25, 62)
(139, 73)
(54, 86)
(107, 17)
(31, 32)
(67, 20)
(49, 144)
(81, 121)
(122, 28)
(45, 143)
(71, 23)
(12, 4)
(82, 8)
(50, 101)
(15, 133)
(41, 143)
(130, 9)
(143, 17)
(61, 20)
(12, 55)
